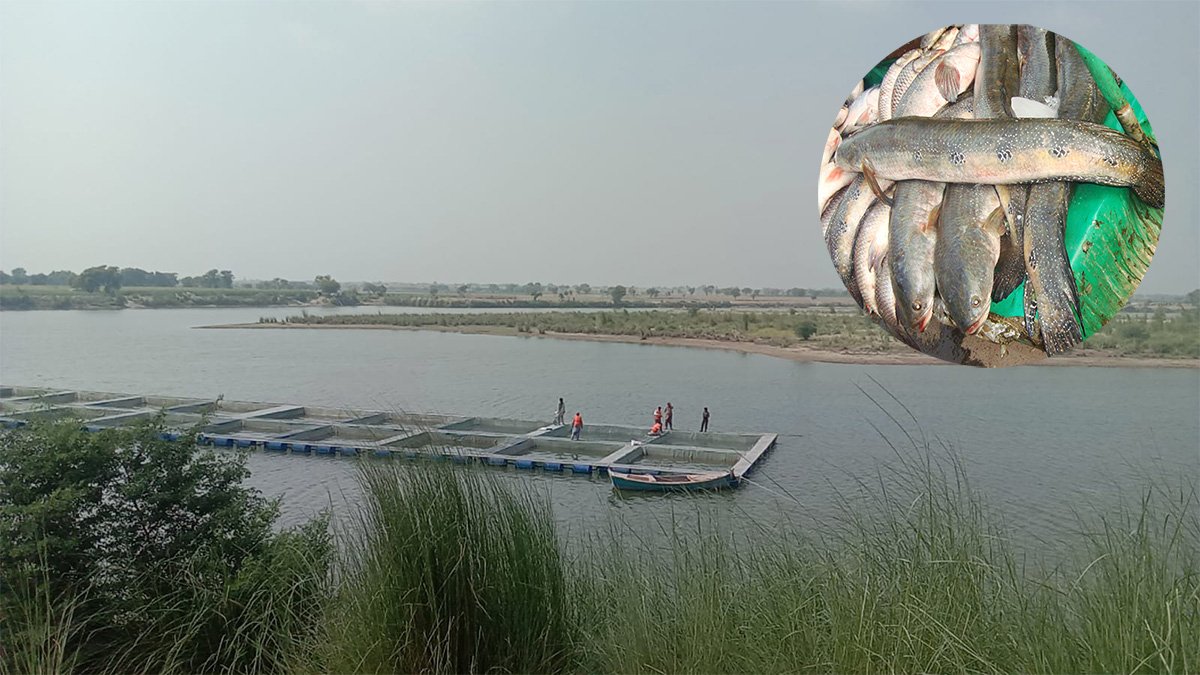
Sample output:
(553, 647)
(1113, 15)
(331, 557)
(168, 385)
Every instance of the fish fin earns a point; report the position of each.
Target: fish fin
(1028, 108)
(1005, 196)
(996, 222)
(868, 173)
(948, 81)
(875, 256)
(930, 223)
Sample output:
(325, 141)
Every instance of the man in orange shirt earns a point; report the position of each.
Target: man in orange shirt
(576, 426)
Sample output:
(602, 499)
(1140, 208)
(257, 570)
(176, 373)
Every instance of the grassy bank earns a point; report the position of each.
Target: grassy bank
(846, 330)
(448, 570)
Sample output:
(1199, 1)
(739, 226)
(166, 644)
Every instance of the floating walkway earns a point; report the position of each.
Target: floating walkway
(308, 430)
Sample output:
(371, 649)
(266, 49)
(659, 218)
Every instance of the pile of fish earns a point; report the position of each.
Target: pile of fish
(946, 186)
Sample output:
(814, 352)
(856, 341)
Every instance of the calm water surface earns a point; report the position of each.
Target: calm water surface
(1041, 443)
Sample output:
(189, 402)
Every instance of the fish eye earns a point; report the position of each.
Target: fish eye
(917, 305)
(975, 301)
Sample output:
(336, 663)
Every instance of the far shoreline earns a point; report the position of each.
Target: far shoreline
(797, 353)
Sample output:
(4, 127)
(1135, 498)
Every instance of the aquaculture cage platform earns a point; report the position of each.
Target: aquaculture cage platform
(307, 430)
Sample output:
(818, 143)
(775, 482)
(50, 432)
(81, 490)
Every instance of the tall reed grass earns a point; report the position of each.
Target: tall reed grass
(450, 569)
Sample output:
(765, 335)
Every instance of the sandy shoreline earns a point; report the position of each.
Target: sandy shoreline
(797, 353)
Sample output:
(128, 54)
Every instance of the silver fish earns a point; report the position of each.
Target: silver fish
(843, 228)
(912, 235)
(889, 82)
(968, 33)
(864, 111)
(870, 248)
(968, 245)
(908, 74)
(830, 209)
(942, 82)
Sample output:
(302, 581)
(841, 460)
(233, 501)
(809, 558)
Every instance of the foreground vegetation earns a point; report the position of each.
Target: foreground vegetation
(125, 553)
(846, 330)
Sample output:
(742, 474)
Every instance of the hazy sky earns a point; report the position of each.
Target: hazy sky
(606, 142)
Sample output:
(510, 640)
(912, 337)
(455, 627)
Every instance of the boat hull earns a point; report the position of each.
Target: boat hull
(689, 483)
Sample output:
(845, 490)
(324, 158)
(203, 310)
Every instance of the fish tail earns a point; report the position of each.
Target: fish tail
(1150, 187)
(1060, 335)
(1010, 269)
(1058, 310)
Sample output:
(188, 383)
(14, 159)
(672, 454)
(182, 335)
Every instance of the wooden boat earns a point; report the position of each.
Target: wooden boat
(672, 482)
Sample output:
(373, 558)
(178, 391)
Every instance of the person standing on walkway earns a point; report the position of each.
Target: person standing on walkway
(704, 420)
(576, 426)
(562, 412)
(669, 416)
(658, 415)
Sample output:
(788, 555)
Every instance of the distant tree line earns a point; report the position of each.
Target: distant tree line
(110, 279)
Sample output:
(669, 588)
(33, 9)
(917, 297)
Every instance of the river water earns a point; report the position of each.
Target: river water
(1040, 443)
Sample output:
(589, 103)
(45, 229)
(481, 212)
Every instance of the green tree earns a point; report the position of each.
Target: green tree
(19, 276)
(735, 291)
(533, 289)
(102, 276)
(327, 285)
(617, 293)
(584, 289)
(652, 292)
(462, 290)
(806, 329)
(226, 279)
(1193, 298)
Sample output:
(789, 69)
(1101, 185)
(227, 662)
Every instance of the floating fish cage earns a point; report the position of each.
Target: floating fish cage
(283, 429)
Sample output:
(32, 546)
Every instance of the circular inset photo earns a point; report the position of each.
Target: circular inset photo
(991, 194)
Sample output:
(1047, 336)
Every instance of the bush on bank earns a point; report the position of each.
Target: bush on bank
(138, 553)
